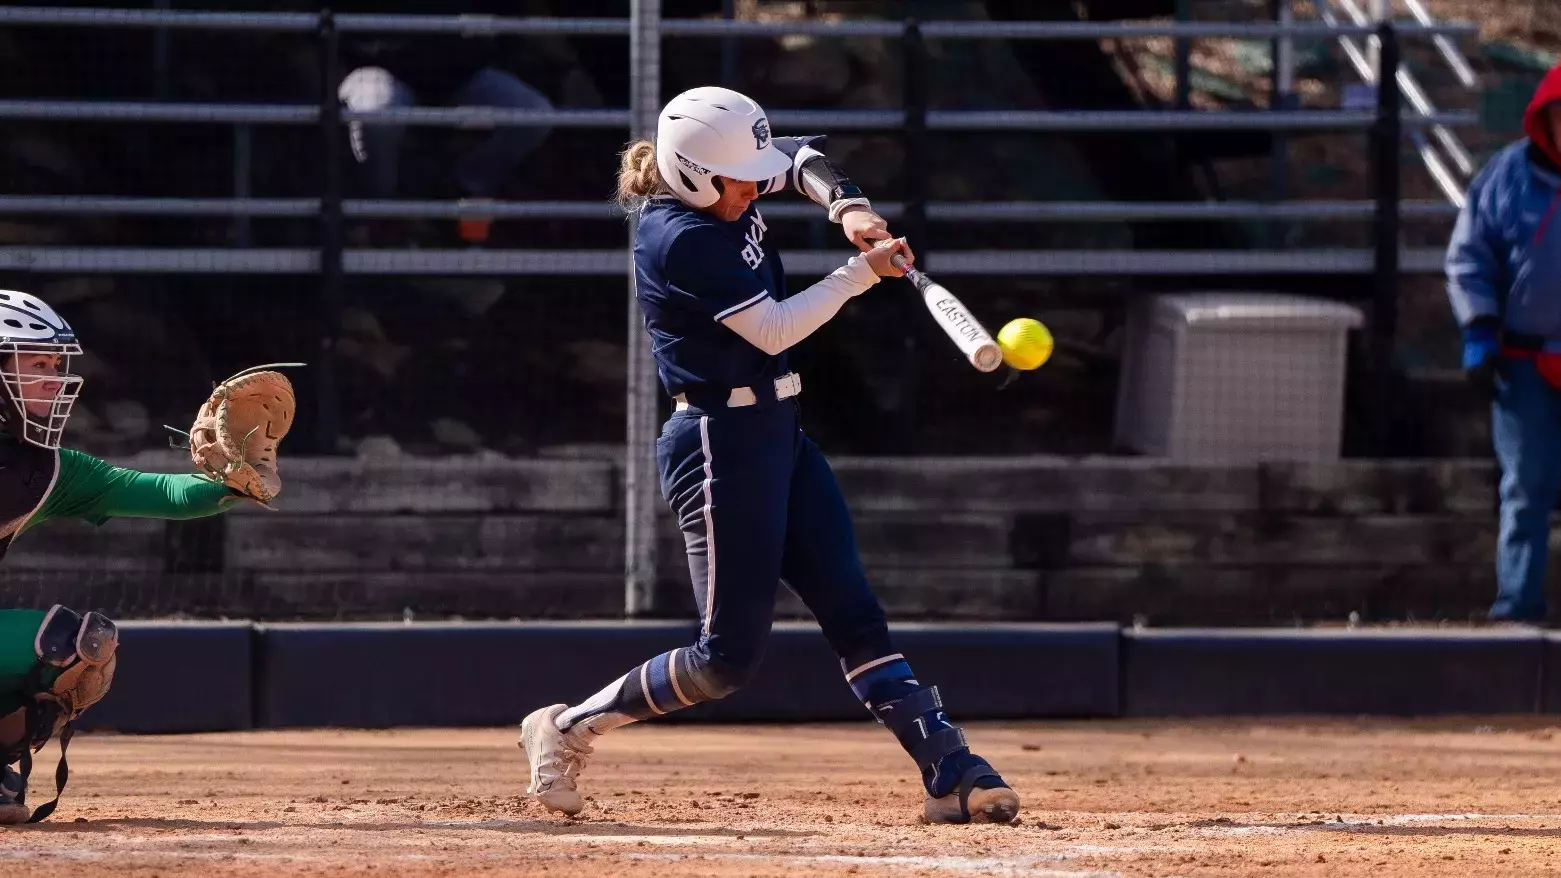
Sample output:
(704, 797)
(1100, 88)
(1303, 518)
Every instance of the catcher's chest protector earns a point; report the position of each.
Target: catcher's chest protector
(26, 474)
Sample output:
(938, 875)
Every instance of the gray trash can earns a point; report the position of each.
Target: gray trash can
(1233, 378)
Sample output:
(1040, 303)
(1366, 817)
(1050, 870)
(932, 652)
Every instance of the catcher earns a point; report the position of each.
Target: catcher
(55, 664)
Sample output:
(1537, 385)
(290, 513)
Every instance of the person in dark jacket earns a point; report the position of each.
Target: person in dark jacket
(1504, 281)
(397, 70)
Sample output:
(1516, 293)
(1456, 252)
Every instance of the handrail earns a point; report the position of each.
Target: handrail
(1441, 175)
(1178, 120)
(152, 111)
(1033, 211)
(493, 25)
(599, 262)
(301, 114)
(1103, 30)
(948, 120)
(1454, 58)
(1410, 86)
(305, 22)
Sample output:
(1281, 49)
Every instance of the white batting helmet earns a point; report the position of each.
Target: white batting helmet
(29, 326)
(708, 131)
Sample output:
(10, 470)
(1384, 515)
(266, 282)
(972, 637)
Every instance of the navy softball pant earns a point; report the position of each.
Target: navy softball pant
(758, 505)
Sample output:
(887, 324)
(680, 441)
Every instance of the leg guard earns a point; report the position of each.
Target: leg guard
(918, 721)
(86, 649)
(961, 786)
(81, 652)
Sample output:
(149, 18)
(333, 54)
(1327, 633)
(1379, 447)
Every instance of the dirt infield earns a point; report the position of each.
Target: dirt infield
(1112, 798)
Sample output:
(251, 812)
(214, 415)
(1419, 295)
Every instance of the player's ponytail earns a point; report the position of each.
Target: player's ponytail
(637, 174)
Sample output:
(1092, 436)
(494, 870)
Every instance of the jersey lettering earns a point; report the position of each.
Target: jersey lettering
(753, 254)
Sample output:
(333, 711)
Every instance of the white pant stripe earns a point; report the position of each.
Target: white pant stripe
(873, 664)
(672, 674)
(645, 688)
(704, 445)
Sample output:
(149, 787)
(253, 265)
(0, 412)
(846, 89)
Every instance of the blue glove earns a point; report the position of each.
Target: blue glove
(1480, 345)
(1481, 355)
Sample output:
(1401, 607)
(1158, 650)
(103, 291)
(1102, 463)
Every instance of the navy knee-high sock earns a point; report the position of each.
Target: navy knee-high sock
(671, 681)
(656, 687)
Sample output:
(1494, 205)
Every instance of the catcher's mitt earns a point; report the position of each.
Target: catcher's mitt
(237, 430)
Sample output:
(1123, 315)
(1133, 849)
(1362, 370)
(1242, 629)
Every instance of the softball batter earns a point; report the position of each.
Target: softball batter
(55, 664)
(755, 498)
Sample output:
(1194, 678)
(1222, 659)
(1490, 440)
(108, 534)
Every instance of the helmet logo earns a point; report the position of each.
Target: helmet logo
(685, 162)
(761, 134)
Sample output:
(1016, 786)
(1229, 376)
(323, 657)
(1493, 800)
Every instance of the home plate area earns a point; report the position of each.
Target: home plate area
(1101, 798)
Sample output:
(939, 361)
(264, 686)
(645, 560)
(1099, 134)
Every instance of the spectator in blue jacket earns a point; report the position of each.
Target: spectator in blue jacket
(1504, 280)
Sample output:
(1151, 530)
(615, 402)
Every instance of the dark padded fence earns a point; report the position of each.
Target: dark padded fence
(192, 677)
(180, 677)
(453, 674)
(1209, 672)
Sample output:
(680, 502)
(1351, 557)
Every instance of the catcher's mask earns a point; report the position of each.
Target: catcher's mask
(28, 326)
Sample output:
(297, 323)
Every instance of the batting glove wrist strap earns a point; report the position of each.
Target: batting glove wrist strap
(838, 208)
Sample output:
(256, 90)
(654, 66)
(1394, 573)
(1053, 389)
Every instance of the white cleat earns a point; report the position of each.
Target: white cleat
(556, 759)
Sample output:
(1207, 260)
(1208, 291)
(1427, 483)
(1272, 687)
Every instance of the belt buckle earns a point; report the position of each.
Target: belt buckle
(788, 385)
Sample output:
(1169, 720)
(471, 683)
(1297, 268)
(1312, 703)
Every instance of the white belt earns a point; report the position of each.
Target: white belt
(786, 387)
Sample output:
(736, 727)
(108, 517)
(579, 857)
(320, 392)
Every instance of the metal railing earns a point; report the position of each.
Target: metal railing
(915, 121)
(945, 211)
(913, 33)
(1451, 181)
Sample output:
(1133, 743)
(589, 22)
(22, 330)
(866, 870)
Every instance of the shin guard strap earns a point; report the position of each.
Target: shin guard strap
(939, 744)
(901, 712)
(924, 700)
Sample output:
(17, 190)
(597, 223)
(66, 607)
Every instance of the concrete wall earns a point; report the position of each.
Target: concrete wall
(1012, 539)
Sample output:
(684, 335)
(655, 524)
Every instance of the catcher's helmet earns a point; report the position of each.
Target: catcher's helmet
(29, 326)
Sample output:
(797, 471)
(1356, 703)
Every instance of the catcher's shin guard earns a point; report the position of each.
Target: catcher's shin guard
(961, 786)
(85, 649)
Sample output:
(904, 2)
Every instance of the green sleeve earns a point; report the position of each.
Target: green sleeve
(94, 491)
(18, 656)
(18, 630)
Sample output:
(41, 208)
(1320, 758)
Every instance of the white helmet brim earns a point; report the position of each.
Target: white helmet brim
(766, 164)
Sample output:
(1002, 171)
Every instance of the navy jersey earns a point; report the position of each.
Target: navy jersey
(692, 270)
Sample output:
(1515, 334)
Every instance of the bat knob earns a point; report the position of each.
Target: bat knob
(987, 358)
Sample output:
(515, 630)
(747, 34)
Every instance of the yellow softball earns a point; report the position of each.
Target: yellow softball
(1026, 343)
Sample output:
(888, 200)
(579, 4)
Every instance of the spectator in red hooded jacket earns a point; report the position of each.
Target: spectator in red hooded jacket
(1504, 280)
